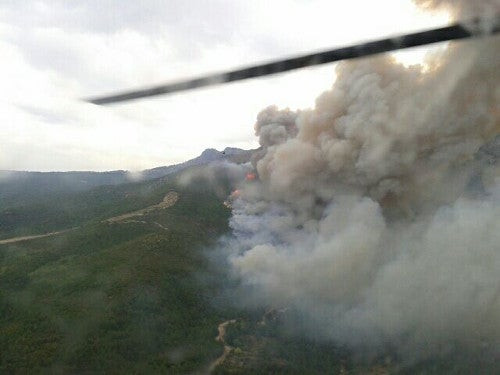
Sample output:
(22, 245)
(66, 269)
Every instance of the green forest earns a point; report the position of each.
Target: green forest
(144, 295)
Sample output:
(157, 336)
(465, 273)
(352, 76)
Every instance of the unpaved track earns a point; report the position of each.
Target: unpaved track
(26, 238)
(169, 200)
(221, 337)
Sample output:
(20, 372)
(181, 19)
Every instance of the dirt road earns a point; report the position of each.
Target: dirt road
(221, 338)
(26, 238)
(169, 200)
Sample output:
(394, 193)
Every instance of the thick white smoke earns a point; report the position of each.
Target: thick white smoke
(462, 9)
(364, 217)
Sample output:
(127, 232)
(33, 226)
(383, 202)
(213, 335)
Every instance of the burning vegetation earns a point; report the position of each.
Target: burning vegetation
(363, 216)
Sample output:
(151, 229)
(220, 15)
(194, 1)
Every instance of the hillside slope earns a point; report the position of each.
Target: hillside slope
(18, 187)
(115, 297)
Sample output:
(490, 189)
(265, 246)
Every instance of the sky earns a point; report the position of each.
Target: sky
(56, 52)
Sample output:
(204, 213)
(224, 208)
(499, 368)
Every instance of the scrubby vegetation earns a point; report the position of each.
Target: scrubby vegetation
(269, 347)
(114, 298)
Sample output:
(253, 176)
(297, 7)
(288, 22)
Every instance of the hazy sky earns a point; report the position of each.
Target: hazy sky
(54, 52)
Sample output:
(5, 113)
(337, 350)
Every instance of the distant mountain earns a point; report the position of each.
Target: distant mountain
(235, 155)
(17, 184)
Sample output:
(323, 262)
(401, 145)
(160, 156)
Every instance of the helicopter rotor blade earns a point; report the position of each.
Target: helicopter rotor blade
(453, 32)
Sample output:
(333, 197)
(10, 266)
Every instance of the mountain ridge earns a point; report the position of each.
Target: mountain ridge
(33, 184)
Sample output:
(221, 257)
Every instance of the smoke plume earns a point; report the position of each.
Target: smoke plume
(367, 215)
(462, 9)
